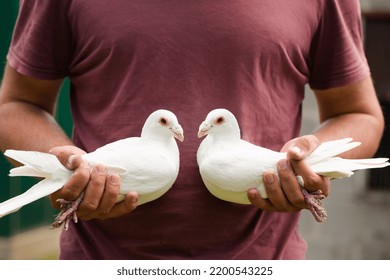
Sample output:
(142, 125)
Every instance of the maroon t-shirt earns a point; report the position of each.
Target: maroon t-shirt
(126, 59)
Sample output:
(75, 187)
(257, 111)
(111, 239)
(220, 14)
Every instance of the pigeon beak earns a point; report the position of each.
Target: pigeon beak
(203, 129)
(178, 133)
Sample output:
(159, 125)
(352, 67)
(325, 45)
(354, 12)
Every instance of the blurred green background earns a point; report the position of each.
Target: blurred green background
(40, 212)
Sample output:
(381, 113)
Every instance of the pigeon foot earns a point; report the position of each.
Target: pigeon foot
(313, 200)
(68, 212)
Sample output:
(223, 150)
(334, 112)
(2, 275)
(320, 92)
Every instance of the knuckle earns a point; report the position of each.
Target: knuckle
(297, 202)
(271, 191)
(130, 204)
(111, 195)
(70, 193)
(326, 186)
(312, 181)
(305, 144)
(98, 178)
(84, 165)
(130, 207)
(112, 190)
(308, 142)
(284, 207)
(312, 141)
(102, 213)
(90, 205)
(259, 204)
(61, 156)
(81, 175)
(98, 182)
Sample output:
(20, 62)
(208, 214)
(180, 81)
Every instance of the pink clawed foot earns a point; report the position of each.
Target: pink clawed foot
(68, 212)
(313, 200)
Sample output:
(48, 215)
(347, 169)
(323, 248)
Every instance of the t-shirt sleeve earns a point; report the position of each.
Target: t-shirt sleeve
(41, 45)
(337, 53)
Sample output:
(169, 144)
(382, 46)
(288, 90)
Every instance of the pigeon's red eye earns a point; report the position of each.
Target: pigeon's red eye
(164, 121)
(219, 120)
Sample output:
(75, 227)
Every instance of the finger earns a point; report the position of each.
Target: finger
(129, 203)
(64, 152)
(93, 192)
(290, 185)
(275, 192)
(110, 195)
(261, 203)
(312, 181)
(77, 182)
(73, 162)
(75, 185)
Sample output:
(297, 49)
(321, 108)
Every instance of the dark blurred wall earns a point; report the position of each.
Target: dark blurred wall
(377, 45)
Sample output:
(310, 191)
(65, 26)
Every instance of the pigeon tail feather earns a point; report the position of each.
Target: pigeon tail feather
(39, 190)
(25, 171)
(330, 149)
(36, 163)
(341, 168)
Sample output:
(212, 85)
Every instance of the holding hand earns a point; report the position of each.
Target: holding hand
(238, 171)
(106, 182)
(285, 193)
(101, 190)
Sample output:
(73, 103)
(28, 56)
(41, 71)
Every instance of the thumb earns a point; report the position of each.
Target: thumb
(69, 156)
(73, 162)
(302, 147)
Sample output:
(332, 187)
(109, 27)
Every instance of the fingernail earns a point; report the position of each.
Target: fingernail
(101, 169)
(269, 178)
(114, 179)
(283, 164)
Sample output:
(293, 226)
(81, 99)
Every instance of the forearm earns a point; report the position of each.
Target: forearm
(26, 126)
(351, 111)
(363, 128)
(27, 106)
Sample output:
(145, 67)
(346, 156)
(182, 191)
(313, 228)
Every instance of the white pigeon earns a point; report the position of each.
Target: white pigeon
(147, 165)
(230, 166)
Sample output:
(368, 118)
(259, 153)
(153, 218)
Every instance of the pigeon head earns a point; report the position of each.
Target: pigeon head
(219, 122)
(162, 123)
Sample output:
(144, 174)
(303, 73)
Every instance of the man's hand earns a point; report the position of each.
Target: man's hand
(101, 190)
(285, 193)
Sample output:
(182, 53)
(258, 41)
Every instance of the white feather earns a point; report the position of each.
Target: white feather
(230, 166)
(147, 165)
(39, 190)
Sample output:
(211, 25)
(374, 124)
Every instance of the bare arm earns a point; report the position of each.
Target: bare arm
(26, 103)
(27, 106)
(349, 111)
